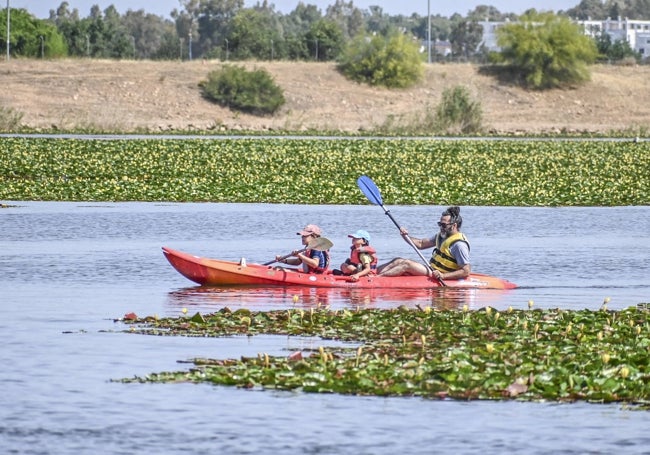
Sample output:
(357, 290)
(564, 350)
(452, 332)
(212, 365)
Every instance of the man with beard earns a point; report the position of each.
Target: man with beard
(450, 258)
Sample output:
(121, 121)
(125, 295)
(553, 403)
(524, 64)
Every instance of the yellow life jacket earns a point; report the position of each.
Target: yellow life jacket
(441, 258)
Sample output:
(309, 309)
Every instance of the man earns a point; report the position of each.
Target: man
(450, 258)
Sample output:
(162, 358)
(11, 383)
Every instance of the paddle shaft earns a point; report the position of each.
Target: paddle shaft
(410, 242)
(282, 258)
(318, 244)
(370, 190)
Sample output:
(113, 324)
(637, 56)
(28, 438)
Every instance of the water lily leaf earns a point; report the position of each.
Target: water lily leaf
(197, 318)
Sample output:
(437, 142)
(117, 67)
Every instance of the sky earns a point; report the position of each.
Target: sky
(41, 8)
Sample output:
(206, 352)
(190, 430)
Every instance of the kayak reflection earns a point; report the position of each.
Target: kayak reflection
(206, 299)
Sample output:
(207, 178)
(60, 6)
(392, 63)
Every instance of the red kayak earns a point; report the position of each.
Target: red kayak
(215, 272)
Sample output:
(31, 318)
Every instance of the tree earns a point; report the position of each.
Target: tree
(296, 25)
(30, 37)
(594, 9)
(614, 51)
(254, 33)
(465, 37)
(440, 28)
(301, 18)
(147, 32)
(484, 12)
(73, 30)
(211, 19)
(377, 21)
(347, 16)
(544, 51)
(324, 40)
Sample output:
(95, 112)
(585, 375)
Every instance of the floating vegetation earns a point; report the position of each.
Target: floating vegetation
(534, 355)
(482, 173)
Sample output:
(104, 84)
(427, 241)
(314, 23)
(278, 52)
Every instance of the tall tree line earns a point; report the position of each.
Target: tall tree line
(226, 30)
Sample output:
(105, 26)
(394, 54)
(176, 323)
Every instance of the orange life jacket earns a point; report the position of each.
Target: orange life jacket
(355, 254)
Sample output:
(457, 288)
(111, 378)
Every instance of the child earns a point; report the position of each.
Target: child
(363, 257)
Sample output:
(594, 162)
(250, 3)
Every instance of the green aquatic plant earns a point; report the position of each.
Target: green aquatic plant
(485, 173)
(596, 356)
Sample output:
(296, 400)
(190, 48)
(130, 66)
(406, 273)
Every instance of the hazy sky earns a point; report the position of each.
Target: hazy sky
(41, 8)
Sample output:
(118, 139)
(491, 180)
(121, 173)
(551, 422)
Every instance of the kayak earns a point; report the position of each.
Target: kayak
(215, 272)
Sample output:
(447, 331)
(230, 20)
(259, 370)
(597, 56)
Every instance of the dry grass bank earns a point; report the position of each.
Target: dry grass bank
(163, 96)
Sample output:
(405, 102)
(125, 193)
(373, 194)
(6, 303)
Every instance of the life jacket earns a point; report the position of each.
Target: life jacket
(319, 269)
(355, 254)
(441, 258)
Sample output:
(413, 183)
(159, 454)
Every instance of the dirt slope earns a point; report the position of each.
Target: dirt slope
(163, 96)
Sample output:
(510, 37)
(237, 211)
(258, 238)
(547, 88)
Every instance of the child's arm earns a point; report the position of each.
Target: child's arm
(366, 268)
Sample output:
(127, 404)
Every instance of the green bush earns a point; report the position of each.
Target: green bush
(392, 61)
(545, 51)
(235, 87)
(457, 112)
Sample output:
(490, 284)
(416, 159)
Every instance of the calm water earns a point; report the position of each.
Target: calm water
(68, 269)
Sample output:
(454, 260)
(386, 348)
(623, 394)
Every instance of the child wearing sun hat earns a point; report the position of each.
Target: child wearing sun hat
(363, 258)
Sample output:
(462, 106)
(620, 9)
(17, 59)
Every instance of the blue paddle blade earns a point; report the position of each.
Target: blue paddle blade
(369, 189)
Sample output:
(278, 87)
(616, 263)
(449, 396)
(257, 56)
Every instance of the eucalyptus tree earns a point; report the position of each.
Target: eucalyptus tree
(325, 40)
(256, 33)
(147, 32)
(349, 17)
(301, 18)
(489, 13)
(73, 29)
(296, 25)
(376, 20)
(440, 27)
(588, 9)
(638, 9)
(207, 21)
(465, 37)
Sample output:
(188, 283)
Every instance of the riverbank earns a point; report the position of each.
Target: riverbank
(146, 96)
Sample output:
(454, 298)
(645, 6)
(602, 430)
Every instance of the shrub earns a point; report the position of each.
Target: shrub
(237, 88)
(458, 112)
(9, 119)
(546, 51)
(392, 61)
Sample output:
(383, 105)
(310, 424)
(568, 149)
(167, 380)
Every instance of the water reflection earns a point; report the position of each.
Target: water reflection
(210, 299)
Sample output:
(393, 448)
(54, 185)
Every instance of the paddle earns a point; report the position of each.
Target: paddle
(318, 244)
(370, 190)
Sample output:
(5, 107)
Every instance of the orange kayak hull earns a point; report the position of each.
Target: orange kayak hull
(215, 272)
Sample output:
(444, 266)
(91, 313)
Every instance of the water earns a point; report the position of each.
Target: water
(67, 270)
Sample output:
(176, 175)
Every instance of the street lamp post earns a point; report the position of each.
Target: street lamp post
(189, 40)
(429, 28)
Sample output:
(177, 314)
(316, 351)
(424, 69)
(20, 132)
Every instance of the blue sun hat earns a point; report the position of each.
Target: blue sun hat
(360, 234)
